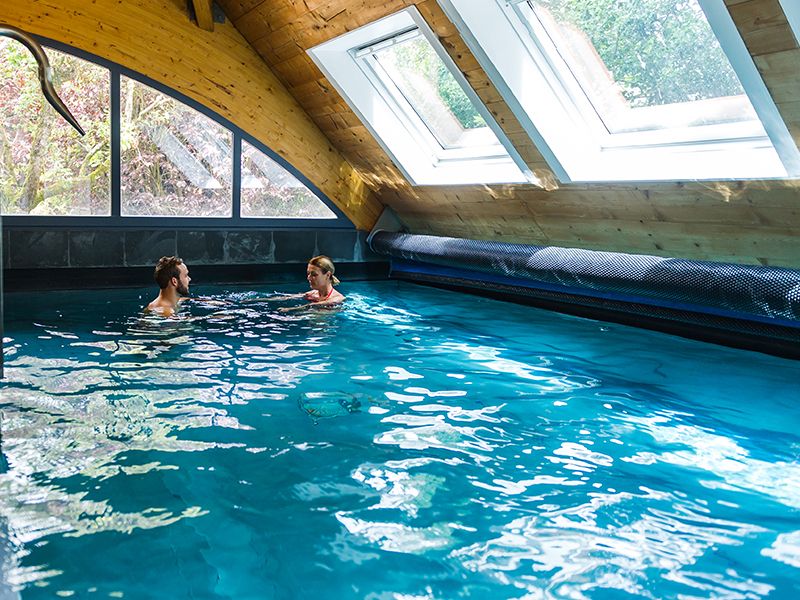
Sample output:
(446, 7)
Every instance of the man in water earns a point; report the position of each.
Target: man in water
(172, 276)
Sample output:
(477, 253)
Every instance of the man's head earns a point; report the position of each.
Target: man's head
(172, 271)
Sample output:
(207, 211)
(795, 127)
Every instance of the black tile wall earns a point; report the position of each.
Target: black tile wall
(38, 249)
(5, 248)
(85, 248)
(146, 247)
(295, 246)
(249, 247)
(202, 247)
(96, 249)
(336, 245)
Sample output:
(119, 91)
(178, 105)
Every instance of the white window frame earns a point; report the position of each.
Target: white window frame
(575, 148)
(791, 8)
(396, 126)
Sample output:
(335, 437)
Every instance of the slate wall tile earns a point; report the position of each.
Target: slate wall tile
(96, 248)
(337, 244)
(249, 247)
(37, 248)
(26, 248)
(6, 248)
(146, 247)
(202, 247)
(294, 246)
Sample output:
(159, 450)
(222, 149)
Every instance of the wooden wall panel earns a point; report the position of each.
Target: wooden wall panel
(749, 223)
(219, 69)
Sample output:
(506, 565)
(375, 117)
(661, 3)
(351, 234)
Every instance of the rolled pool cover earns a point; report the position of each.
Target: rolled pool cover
(759, 295)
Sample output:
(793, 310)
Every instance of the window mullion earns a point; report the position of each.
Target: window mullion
(236, 212)
(116, 140)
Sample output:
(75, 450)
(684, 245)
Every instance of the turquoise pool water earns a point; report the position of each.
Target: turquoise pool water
(417, 444)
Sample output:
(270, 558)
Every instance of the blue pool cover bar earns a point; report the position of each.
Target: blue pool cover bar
(740, 305)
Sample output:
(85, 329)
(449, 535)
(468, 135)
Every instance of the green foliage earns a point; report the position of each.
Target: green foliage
(456, 100)
(419, 57)
(45, 166)
(659, 51)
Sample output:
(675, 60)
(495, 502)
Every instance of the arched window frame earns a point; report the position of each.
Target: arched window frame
(116, 220)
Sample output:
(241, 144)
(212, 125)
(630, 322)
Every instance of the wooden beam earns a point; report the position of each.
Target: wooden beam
(204, 14)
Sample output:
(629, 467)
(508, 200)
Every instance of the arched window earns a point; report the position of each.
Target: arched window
(158, 154)
(269, 190)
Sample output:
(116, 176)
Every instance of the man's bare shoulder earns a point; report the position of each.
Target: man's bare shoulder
(160, 308)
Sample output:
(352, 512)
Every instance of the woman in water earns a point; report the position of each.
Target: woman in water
(321, 280)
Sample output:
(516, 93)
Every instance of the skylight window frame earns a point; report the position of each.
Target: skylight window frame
(791, 8)
(400, 104)
(396, 125)
(407, 112)
(576, 148)
(583, 109)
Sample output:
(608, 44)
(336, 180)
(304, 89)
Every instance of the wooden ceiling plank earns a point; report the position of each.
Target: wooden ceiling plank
(236, 9)
(781, 75)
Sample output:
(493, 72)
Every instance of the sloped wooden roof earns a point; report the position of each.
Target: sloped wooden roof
(742, 221)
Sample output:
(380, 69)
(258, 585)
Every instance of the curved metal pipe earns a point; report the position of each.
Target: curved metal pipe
(45, 73)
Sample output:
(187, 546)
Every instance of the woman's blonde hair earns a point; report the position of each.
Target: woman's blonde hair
(326, 265)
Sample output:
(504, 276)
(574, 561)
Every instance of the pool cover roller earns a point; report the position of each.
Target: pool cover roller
(764, 301)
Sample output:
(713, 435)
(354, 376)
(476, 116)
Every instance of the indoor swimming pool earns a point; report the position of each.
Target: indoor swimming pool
(416, 444)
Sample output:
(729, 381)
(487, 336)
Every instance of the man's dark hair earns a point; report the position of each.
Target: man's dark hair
(166, 269)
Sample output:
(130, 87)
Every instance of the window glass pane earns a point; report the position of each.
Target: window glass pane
(269, 190)
(424, 82)
(175, 160)
(46, 167)
(643, 64)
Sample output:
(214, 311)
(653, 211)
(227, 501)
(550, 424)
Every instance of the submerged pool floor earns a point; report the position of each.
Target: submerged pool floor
(416, 444)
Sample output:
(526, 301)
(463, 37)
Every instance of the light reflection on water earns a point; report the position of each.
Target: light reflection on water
(442, 446)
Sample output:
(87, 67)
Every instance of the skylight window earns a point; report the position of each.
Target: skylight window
(638, 69)
(623, 91)
(405, 88)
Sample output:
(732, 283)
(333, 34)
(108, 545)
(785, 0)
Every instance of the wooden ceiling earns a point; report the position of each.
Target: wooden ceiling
(740, 221)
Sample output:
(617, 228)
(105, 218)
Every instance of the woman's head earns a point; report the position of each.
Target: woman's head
(321, 269)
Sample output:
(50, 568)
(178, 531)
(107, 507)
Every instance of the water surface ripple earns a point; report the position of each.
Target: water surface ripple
(415, 444)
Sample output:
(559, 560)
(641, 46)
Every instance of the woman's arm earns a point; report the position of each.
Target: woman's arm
(312, 305)
(281, 298)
